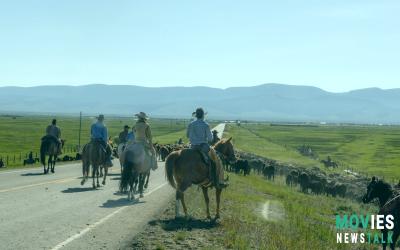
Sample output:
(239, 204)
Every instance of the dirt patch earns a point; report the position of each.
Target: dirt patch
(166, 232)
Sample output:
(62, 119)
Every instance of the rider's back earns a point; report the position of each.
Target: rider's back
(142, 132)
(53, 130)
(199, 132)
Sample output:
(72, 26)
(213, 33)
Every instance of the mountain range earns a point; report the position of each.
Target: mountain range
(267, 102)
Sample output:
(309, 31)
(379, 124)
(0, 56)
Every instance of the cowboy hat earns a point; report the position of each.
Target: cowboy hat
(100, 117)
(142, 115)
(126, 126)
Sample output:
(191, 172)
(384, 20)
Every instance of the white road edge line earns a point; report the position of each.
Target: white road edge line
(90, 227)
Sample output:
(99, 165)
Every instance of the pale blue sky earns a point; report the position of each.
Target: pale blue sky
(336, 45)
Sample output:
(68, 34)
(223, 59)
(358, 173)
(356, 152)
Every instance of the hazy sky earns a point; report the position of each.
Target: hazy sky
(336, 45)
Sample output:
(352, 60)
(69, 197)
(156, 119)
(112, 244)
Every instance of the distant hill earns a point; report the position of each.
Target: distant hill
(272, 102)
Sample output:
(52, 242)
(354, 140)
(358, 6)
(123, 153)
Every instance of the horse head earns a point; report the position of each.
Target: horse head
(225, 147)
(377, 189)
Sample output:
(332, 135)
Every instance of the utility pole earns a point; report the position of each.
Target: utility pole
(80, 130)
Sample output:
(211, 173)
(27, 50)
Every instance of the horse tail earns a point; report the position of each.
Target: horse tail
(43, 149)
(126, 176)
(169, 167)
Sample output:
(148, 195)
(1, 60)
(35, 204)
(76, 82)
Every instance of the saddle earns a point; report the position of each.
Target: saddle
(101, 143)
(49, 138)
(208, 161)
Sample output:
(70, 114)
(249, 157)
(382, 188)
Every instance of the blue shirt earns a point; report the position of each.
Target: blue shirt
(99, 131)
(199, 132)
(130, 137)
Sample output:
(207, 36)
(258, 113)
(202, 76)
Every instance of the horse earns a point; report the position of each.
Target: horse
(136, 163)
(389, 204)
(94, 154)
(49, 146)
(186, 167)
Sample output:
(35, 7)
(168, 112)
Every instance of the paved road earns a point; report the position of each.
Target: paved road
(51, 211)
(54, 211)
(220, 128)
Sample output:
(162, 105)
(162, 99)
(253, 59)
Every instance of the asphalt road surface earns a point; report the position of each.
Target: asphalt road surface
(55, 212)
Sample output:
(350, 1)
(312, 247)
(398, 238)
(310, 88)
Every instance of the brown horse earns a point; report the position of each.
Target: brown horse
(186, 167)
(49, 147)
(93, 154)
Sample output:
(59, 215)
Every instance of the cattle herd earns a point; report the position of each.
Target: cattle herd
(306, 180)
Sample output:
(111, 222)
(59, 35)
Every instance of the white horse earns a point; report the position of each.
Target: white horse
(136, 162)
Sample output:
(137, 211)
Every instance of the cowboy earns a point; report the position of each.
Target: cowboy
(99, 133)
(123, 136)
(143, 135)
(200, 137)
(54, 132)
(215, 137)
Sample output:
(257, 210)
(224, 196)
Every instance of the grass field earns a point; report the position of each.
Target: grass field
(255, 214)
(20, 135)
(260, 214)
(372, 150)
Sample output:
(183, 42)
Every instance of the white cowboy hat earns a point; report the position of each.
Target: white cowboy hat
(142, 115)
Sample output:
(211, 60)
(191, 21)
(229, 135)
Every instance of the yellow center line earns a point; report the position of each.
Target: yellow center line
(37, 184)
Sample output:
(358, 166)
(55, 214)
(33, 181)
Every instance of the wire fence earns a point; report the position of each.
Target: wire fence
(24, 158)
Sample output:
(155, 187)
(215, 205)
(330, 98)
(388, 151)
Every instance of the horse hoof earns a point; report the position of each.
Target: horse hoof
(98, 185)
(208, 217)
(82, 182)
(141, 196)
(52, 171)
(217, 217)
(104, 183)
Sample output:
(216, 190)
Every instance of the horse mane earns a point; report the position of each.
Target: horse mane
(222, 141)
(384, 185)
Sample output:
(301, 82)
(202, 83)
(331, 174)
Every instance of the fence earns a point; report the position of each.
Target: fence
(18, 158)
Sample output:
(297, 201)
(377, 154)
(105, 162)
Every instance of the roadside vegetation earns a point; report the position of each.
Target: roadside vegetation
(256, 214)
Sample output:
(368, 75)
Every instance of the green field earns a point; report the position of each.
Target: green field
(370, 150)
(304, 221)
(20, 135)
(260, 214)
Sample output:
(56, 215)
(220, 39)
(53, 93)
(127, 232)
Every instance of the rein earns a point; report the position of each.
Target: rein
(391, 200)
